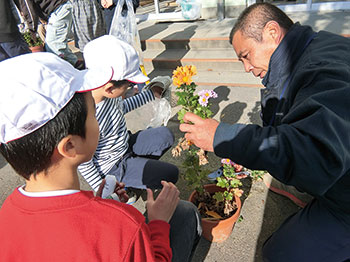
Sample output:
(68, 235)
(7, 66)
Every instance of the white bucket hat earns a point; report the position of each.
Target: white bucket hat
(35, 87)
(108, 50)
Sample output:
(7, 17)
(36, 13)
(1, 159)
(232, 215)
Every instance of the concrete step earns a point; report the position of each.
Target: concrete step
(217, 59)
(185, 43)
(216, 78)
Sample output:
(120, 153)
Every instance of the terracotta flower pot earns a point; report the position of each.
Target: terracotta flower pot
(38, 48)
(218, 230)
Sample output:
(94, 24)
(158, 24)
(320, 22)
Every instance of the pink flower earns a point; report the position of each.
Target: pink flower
(203, 101)
(226, 161)
(208, 94)
(213, 94)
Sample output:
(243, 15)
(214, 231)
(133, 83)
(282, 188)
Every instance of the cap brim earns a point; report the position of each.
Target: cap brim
(93, 78)
(138, 78)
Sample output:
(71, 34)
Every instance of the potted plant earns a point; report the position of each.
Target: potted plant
(218, 204)
(36, 44)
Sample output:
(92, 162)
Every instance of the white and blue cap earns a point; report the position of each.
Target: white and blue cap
(35, 87)
(121, 56)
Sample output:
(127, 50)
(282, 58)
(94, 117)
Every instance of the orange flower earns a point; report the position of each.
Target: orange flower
(183, 75)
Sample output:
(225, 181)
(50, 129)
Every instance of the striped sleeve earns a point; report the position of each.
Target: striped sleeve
(138, 100)
(91, 175)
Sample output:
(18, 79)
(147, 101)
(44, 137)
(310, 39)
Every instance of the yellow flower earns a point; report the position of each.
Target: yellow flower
(183, 75)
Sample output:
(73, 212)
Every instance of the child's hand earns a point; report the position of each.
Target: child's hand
(119, 190)
(164, 206)
(157, 91)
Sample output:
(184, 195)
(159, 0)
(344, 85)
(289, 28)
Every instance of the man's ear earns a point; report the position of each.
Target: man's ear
(273, 31)
(67, 147)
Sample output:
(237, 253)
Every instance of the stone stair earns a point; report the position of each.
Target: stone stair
(214, 57)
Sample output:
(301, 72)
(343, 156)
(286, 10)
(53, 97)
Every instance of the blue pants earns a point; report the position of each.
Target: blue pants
(57, 32)
(313, 234)
(15, 48)
(185, 231)
(141, 167)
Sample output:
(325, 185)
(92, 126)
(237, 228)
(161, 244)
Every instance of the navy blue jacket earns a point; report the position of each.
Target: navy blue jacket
(305, 141)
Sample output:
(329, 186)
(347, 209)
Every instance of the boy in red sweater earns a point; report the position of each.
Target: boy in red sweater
(47, 128)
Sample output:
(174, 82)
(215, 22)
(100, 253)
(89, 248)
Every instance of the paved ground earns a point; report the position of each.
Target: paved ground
(262, 211)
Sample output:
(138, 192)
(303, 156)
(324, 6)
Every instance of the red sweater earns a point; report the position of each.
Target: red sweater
(78, 227)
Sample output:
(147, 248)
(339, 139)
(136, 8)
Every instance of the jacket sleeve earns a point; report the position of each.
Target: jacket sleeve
(152, 243)
(30, 16)
(311, 148)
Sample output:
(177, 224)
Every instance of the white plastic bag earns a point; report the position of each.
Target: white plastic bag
(161, 112)
(123, 24)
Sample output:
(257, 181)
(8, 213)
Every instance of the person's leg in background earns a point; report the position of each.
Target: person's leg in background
(57, 32)
(143, 168)
(88, 22)
(142, 173)
(185, 231)
(313, 234)
(151, 142)
(15, 48)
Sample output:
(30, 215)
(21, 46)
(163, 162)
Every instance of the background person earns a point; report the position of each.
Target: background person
(11, 40)
(88, 22)
(58, 15)
(305, 139)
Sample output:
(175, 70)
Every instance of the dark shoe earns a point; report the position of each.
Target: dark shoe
(301, 199)
(80, 65)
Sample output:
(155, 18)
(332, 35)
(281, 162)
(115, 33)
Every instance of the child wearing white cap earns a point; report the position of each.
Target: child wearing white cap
(132, 158)
(47, 128)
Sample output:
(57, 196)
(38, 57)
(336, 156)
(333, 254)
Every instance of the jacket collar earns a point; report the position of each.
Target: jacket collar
(285, 56)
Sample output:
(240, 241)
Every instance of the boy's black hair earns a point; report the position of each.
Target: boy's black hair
(32, 153)
(253, 19)
(120, 83)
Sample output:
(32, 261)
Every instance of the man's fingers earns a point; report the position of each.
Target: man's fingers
(190, 117)
(190, 137)
(186, 128)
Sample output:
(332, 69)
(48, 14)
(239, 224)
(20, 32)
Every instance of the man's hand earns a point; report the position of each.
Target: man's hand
(119, 190)
(164, 206)
(200, 131)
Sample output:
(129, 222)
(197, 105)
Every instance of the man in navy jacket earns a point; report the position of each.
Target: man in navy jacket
(305, 139)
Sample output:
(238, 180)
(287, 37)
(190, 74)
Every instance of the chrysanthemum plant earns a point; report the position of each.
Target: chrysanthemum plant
(194, 174)
(198, 104)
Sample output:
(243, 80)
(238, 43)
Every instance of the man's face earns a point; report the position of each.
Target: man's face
(254, 55)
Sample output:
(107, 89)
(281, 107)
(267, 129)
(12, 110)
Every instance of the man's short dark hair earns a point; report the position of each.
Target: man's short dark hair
(253, 19)
(32, 153)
